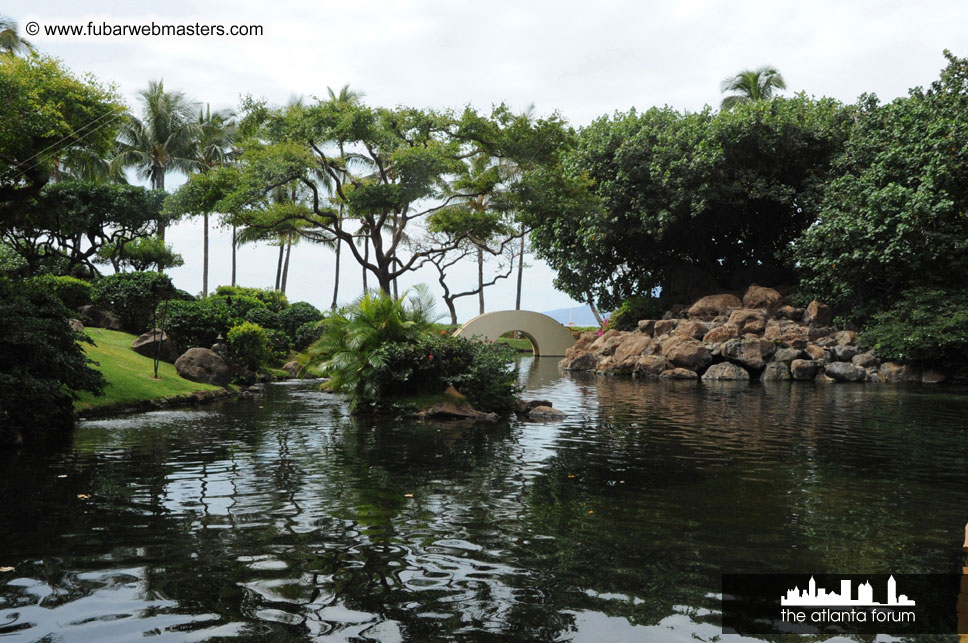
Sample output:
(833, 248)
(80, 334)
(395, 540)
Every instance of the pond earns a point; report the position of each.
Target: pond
(284, 518)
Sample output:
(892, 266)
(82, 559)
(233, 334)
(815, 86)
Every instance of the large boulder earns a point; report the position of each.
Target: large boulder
(203, 365)
(893, 373)
(720, 334)
(748, 320)
(583, 361)
(713, 305)
(690, 328)
(632, 346)
(646, 326)
(686, 353)
(787, 333)
(751, 353)
(818, 314)
(866, 360)
(846, 372)
(458, 410)
(786, 355)
(651, 366)
(665, 326)
(99, 318)
(679, 374)
(845, 353)
(725, 371)
(804, 369)
(776, 371)
(761, 297)
(155, 343)
(546, 413)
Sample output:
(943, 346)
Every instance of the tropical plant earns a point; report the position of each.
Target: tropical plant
(11, 43)
(216, 133)
(133, 296)
(751, 85)
(141, 253)
(164, 138)
(248, 345)
(196, 323)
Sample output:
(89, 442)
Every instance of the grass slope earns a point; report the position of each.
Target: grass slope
(130, 376)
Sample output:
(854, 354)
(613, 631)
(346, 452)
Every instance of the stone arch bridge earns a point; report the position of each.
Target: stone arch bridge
(548, 337)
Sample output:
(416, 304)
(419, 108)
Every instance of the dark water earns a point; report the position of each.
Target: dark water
(284, 518)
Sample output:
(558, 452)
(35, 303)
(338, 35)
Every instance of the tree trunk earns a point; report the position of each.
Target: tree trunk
(452, 309)
(517, 300)
(159, 184)
(205, 256)
(336, 274)
(234, 245)
(480, 278)
(366, 258)
(282, 250)
(591, 304)
(285, 267)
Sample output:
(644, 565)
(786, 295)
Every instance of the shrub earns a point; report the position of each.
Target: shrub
(279, 345)
(925, 326)
(133, 296)
(73, 292)
(196, 323)
(41, 362)
(307, 334)
(238, 305)
(263, 317)
(248, 345)
(296, 315)
(273, 299)
(632, 310)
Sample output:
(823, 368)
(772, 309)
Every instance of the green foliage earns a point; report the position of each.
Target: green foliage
(263, 317)
(924, 326)
(133, 296)
(11, 264)
(72, 292)
(273, 299)
(690, 202)
(308, 333)
(239, 305)
(42, 366)
(248, 345)
(278, 344)
(141, 253)
(427, 366)
(894, 217)
(633, 309)
(292, 318)
(196, 322)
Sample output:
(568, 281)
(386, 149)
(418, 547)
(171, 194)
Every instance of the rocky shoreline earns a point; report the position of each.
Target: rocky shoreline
(190, 399)
(722, 337)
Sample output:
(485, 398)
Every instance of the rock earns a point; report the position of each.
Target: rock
(646, 326)
(845, 337)
(153, 343)
(893, 373)
(761, 297)
(203, 365)
(787, 333)
(865, 360)
(632, 346)
(76, 325)
(99, 318)
(844, 353)
(690, 328)
(789, 312)
(608, 348)
(450, 391)
(584, 361)
(776, 371)
(846, 372)
(712, 305)
(651, 366)
(815, 352)
(597, 345)
(546, 413)
(786, 355)
(456, 410)
(751, 353)
(686, 353)
(818, 314)
(293, 368)
(725, 371)
(814, 333)
(933, 377)
(679, 374)
(748, 320)
(804, 369)
(721, 334)
(664, 326)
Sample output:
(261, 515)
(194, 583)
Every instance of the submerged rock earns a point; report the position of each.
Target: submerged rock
(725, 371)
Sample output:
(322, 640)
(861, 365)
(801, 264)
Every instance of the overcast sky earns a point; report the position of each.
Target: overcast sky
(580, 59)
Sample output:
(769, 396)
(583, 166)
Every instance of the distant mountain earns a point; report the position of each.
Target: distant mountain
(578, 316)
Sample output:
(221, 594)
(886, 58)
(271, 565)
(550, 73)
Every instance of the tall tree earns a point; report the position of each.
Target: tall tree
(751, 85)
(163, 139)
(10, 41)
(216, 133)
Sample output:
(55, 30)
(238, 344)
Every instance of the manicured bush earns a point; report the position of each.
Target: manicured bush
(238, 305)
(307, 334)
(248, 345)
(42, 364)
(273, 299)
(296, 315)
(73, 292)
(133, 296)
(279, 345)
(263, 317)
(632, 310)
(196, 323)
(925, 326)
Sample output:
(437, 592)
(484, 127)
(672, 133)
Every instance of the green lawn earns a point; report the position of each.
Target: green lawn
(130, 376)
(522, 345)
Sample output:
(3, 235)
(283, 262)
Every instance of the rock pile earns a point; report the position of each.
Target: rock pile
(723, 337)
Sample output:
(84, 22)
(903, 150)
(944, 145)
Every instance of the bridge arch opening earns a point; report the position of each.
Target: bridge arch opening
(547, 336)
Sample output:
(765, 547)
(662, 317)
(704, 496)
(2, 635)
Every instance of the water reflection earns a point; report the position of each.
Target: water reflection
(284, 517)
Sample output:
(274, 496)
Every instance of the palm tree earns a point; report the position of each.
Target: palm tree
(10, 42)
(216, 132)
(163, 139)
(751, 85)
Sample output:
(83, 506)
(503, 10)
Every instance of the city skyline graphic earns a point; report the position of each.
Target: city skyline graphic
(819, 596)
